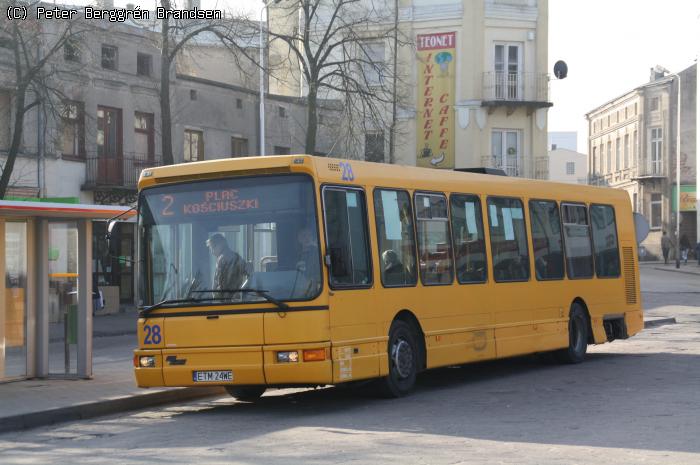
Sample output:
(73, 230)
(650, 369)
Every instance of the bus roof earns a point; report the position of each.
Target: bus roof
(354, 172)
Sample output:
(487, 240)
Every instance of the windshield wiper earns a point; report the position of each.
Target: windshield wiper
(261, 292)
(147, 310)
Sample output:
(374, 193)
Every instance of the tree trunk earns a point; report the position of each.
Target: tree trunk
(311, 120)
(16, 141)
(165, 117)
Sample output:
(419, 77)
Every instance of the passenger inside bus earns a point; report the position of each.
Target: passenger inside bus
(230, 272)
(394, 271)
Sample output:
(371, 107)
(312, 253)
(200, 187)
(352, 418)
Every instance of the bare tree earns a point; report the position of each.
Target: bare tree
(32, 47)
(340, 47)
(175, 36)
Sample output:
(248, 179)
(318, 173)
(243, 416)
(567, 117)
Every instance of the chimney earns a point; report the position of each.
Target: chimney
(105, 4)
(192, 4)
(130, 6)
(554, 147)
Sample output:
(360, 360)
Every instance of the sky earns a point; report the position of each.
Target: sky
(608, 45)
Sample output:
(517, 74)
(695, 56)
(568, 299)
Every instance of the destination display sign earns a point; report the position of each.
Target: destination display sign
(206, 202)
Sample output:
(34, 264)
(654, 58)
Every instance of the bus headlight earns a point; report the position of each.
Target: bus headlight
(288, 357)
(147, 361)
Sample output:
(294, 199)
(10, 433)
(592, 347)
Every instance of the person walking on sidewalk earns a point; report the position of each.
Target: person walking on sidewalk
(666, 245)
(685, 248)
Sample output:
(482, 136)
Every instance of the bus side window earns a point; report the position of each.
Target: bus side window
(607, 256)
(468, 238)
(511, 261)
(347, 237)
(577, 241)
(434, 247)
(546, 239)
(397, 246)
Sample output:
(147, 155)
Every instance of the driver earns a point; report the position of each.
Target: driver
(230, 273)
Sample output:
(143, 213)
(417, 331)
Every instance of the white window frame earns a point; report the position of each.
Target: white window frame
(510, 163)
(660, 203)
(373, 65)
(572, 165)
(508, 85)
(656, 140)
(627, 151)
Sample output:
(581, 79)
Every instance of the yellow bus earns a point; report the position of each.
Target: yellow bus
(302, 271)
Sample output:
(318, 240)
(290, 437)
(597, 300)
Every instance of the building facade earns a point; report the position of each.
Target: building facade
(90, 145)
(471, 76)
(632, 145)
(566, 165)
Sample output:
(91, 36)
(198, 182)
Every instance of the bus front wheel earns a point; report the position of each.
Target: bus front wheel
(245, 393)
(403, 360)
(578, 336)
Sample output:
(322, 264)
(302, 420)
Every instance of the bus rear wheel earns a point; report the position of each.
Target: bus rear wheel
(245, 393)
(578, 336)
(403, 360)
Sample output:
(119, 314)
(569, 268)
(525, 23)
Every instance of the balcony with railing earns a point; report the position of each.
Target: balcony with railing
(501, 88)
(116, 172)
(510, 164)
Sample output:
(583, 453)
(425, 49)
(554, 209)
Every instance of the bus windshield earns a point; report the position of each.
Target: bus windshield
(215, 241)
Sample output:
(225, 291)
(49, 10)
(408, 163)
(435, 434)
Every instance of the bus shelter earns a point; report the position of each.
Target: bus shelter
(46, 304)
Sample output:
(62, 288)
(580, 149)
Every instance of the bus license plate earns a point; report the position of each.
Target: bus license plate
(212, 376)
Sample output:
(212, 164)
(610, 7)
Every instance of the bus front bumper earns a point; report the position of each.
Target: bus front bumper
(291, 364)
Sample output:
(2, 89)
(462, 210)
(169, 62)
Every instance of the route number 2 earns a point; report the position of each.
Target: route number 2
(152, 335)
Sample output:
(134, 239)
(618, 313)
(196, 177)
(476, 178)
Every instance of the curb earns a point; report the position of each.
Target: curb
(105, 407)
(675, 270)
(660, 321)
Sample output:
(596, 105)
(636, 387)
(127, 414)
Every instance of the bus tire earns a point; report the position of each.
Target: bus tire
(403, 355)
(245, 393)
(578, 336)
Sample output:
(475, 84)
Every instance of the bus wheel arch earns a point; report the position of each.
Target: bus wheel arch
(578, 331)
(410, 318)
(581, 302)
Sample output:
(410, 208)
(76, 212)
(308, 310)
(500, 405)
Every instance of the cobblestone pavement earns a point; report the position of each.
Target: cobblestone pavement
(632, 402)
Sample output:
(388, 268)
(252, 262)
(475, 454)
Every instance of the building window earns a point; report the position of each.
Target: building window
(109, 132)
(608, 161)
(505, 151)
(618, 150)
(373, 58)
(71, 50)
(239, 147)
(279, 150)
(239, 103)
(635, 205)
(656, 153)
(507, 72)
(110, 57)
(194, 145)
(634, 148)
(193, 94)
(144, 63)
(654, 104)
(143, 136)
(73, 130)
(594, 162)
(627, 151)
(374, 146)
(656, 211)
(282, 112)
(601, 162)
(570, 167)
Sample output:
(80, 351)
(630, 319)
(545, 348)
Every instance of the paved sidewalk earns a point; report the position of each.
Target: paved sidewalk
(27, 404)
(690, 268)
